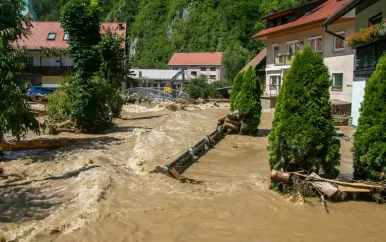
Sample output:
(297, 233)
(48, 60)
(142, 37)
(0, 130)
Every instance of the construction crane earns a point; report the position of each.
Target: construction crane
(174, 78)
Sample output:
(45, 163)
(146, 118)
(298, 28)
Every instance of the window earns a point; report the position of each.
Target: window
(203, 68)
(316, 43)
(65, 37)
(213, 69)
(29, 61)
(51, 36)
(275, 81)
(293, 47)
(376, 19)
(337, 81)
(193, 73)
(275, 51)
(212, 77)
(338, 42)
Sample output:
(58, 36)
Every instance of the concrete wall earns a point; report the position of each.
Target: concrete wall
(218, 73)
(362, 18)
(359, 85)
(337, 61)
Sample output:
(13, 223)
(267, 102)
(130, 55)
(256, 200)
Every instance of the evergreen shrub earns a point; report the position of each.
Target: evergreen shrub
(237, 84)
(370, 137)
(303, 136)
(248, 103)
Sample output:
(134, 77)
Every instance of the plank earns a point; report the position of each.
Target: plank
(352, 189)
(325, 187)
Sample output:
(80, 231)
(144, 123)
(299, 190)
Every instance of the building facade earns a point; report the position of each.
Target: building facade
(50, 35)
(205, 65)
(290, 30)
(367, 13)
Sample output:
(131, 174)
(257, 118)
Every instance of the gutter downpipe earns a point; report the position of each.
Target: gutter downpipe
(333, 34)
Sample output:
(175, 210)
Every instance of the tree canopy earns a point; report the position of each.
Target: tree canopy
(14, 110)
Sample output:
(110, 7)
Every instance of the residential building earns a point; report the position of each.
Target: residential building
(48, 35)
(288, 31)
(29, 10)
(258, 63)
(198, 65)
(367, 13)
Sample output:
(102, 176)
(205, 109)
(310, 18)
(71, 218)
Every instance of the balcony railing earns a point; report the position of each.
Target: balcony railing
(49, 70)
(367, 57)
(283, 60)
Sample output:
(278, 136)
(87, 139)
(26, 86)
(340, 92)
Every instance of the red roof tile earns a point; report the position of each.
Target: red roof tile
(198, 58)
(257, 60)
(40, 30)
(325, 10)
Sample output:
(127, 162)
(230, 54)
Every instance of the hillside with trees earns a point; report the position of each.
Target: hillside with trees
(157, 28)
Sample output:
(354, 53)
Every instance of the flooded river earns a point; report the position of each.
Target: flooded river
(100, 190)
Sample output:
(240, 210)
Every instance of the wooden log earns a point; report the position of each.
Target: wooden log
(232, 121)
(231, 127)
(278, 176)
(360, 185)
(36, 144)
(222, 119)
(352, 189)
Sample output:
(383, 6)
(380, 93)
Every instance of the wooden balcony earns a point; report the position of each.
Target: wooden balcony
(284, 60)
(49, 70)
(367, 57)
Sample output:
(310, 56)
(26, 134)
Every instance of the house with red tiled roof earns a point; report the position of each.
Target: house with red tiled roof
(198, 64)
(48, 35)
(288, 31)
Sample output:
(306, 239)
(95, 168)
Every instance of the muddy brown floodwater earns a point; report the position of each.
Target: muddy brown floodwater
(100, 190)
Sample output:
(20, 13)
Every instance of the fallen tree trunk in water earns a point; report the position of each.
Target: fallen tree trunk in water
(36, 144)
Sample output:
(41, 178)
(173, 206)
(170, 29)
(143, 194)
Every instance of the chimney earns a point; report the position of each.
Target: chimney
(140, 74)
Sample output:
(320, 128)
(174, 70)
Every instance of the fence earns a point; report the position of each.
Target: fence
(157, 93)
(341, 109)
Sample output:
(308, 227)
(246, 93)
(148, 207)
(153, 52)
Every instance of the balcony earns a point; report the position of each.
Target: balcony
(284, 60)
(367, 57)
(49, 70)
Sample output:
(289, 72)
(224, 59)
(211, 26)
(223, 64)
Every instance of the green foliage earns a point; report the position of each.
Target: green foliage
(14, 110)
(114, 65)
(303, 135)
(370, 137)
(234, 59)
(199, 88)
(163, 27)
(237, 84)
(248, 103)
(220, 93)
(81, 20)
(89, 106)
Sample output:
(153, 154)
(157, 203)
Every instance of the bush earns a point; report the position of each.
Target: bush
(370, 137)
(237, 84)
(89, 106)
(248, 103)
(303, 135)
(199, 88)
(220, 93)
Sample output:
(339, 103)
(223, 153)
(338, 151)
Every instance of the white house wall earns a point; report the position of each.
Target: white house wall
(197, 69)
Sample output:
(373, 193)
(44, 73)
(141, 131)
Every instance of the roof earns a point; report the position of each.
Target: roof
(257, 60)
(320, 14)
(342, 12)
(197, 58)
(156, 74)
(40, 30)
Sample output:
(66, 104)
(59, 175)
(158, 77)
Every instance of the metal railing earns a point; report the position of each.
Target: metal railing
(157, 93)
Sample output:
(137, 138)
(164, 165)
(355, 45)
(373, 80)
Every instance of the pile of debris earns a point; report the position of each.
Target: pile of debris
(230, 122)
(296, 183)
(137, 99)
(41, 99)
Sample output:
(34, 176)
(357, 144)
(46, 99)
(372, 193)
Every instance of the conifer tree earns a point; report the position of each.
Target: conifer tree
(248, 103)
(303, 135)
(237, 84)
(370, 137)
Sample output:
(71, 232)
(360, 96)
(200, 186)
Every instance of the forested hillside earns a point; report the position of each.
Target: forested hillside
(157, 28)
